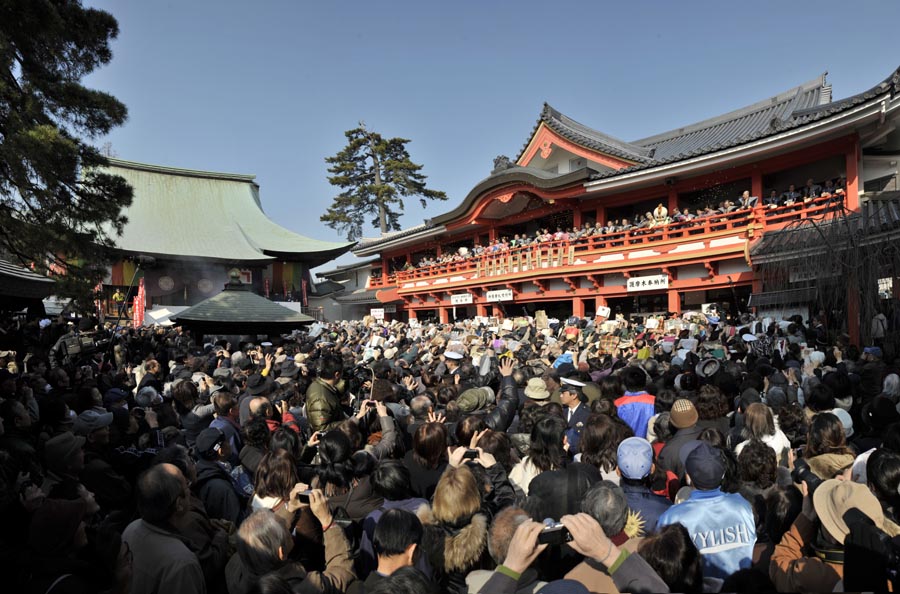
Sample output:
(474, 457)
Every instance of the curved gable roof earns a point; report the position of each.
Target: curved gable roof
(585, 136)
(182, 213)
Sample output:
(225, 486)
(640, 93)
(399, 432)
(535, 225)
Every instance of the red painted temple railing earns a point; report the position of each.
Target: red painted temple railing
(553, 254)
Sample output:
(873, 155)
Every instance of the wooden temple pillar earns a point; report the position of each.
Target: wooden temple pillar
(756, 186)
(578, 307)
(443, 315)
(852, 190)
(674, 304)
(673, 200)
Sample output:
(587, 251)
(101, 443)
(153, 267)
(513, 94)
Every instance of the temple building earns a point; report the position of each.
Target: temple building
(673, 219)
(187, 229)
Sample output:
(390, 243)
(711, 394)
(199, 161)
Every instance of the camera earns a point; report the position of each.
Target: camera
(303, 496)
(370, 404)
(802, 472)
(470, 454)
(554, 533)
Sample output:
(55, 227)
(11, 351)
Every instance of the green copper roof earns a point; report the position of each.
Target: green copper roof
(180, 213)
(238, 305)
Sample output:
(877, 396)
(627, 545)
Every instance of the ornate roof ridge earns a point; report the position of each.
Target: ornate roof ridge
(181, 171)
(787, 96)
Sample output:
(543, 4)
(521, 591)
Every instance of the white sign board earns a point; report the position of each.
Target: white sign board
(648, 283)
(499, 295)
(461, 299)
(378, 313)
(603, 311)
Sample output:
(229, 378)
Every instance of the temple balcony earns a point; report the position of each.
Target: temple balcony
(702, 239)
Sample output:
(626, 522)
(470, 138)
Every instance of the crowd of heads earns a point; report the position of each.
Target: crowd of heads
(688, 453)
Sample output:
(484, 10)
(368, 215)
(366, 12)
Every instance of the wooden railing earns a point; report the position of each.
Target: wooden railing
(554, 254)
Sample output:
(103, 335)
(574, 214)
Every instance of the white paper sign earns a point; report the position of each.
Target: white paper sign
(603, 311)
(648, 283)
(651, 324)
(461, 299)
(377, 313)
(499, 295)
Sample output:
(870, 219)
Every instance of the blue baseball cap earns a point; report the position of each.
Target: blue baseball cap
(635, 458)
(704, 463)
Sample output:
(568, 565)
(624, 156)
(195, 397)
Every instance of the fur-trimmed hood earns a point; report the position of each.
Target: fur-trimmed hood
(459, 549)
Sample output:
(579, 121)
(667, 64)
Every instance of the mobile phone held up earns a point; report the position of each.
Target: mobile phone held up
(303, 496)
(470, 454)
(554, 534)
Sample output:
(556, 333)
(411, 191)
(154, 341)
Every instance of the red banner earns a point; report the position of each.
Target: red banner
(303, 292)
(266, 286)
(139, 304)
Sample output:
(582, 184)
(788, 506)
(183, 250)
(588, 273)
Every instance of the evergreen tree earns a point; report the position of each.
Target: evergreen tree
(58, 209)
(374, 174)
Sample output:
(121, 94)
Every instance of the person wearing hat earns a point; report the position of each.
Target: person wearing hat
(214, 485)
(683, 417)
(871, 369)
(63, 459)
(452, 360)
(635, 467)
(636, 406)
(721, 525)
(111, 488)
(536, 391)
(576, 412)
(810, 556)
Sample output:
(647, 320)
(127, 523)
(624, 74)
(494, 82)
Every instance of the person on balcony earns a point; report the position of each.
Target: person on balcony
(791, 196)
(829, 189)
(661, 215)
(811, 190)
(561, 235)
(746, 200)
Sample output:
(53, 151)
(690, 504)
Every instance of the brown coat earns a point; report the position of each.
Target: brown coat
(792, 570)
(336, 578)
(593, 578)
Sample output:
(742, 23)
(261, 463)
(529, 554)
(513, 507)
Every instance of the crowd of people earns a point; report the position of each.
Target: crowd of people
(638, 224)
(521, 455)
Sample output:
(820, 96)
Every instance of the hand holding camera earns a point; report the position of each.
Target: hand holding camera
(589, 539)
(524, 547)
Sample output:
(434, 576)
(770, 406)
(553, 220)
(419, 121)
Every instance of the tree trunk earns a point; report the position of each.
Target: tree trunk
(376, 165)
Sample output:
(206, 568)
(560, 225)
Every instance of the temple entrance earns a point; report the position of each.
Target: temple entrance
(643, 303)
(561, 310)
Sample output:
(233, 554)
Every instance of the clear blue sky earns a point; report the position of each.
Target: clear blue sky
(269, 87)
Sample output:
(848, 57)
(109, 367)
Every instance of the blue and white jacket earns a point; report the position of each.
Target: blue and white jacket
(722, 528)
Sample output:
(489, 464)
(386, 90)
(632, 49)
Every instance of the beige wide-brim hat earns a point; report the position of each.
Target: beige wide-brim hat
(537, 389)
(833, 498)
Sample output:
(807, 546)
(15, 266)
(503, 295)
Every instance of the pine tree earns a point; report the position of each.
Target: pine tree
(58, 210)
(374, 174)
